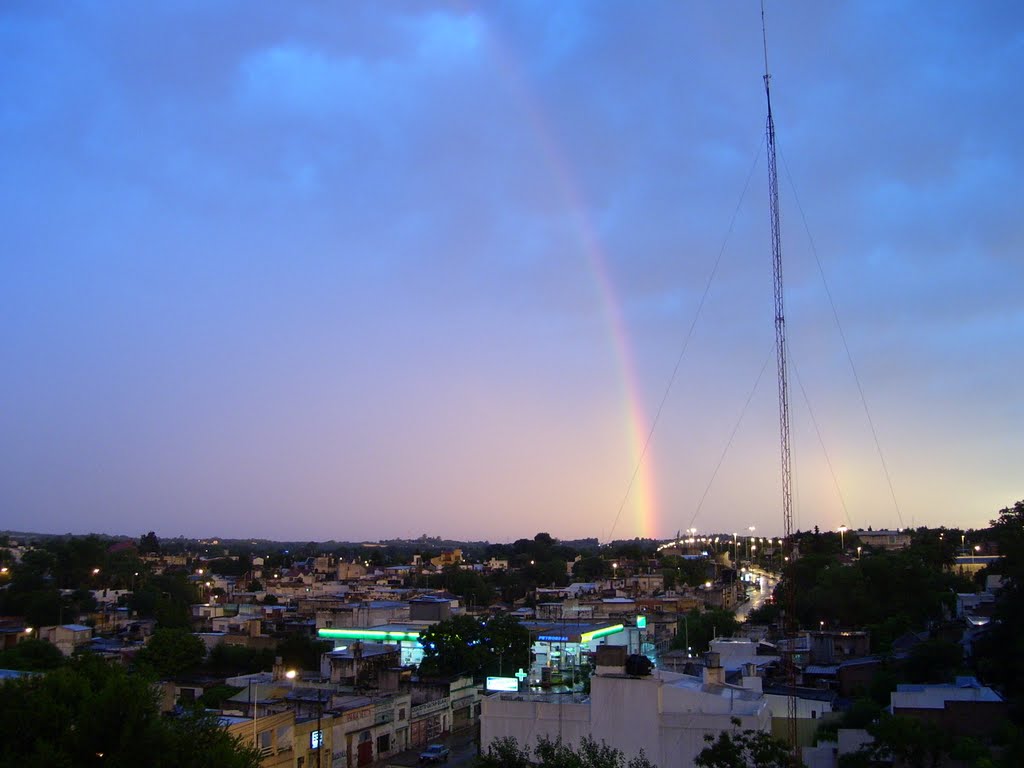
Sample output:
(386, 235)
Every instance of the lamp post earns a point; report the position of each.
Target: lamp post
(319, 727)
(842, 538)
(252, 700)
(751, 529)
(858, 553)
(686, 634)
(974, 554)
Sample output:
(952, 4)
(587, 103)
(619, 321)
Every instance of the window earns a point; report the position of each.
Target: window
(401, 713)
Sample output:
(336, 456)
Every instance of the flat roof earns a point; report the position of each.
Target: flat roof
(574, 632)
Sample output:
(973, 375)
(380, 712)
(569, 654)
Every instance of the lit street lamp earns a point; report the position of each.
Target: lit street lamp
(751, 529)
(842, 538)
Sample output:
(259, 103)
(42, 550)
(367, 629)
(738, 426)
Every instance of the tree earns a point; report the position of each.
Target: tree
(507, 645)
(1000, 653)
(506, 753)
(170, 652)
(32, 656)
(300, 651)
(464, 644)
(743, 749)
(591, 568)
(227, 660)
(149, 544)
(934, 661)
(91, 712)
(700, 628)
(907, 741)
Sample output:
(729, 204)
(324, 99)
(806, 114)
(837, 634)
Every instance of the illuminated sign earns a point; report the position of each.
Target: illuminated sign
(502, 684)
(316, 738)
(641, 622)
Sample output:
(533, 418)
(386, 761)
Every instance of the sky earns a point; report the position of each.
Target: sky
(360, 271)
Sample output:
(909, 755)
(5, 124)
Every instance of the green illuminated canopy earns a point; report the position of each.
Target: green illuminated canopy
(367, 634)
(586, 637)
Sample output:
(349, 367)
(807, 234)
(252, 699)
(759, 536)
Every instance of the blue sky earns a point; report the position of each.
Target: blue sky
(363, 270)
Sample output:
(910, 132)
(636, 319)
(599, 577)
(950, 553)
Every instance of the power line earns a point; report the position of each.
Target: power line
(686, 344)
(846, 346)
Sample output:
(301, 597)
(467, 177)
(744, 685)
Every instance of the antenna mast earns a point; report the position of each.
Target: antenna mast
(780, 352)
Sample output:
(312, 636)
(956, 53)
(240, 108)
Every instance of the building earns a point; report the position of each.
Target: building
(561, 648)
(447, 558)
(360, 663)
(966, 708)
(663, 714)
(406, 637)
(67, 637)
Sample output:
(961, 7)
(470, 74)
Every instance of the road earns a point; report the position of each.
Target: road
(757, 596)
(463, 752)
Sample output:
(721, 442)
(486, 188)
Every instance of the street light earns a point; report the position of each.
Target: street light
(974, 553)
(842, 538)
(252, 700)
(858, 553)
(751, 529)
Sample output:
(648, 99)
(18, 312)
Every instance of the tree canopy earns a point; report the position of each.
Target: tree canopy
(170, 652)
(506, 753)
(90, 712)
(743, 749)
(698, 628)
(465, 644)
(1000, 653)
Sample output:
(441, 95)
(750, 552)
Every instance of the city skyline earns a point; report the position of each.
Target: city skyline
(363, 272)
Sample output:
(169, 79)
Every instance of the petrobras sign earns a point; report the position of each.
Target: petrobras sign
(502, 684)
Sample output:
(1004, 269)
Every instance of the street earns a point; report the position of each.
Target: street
(758, 597)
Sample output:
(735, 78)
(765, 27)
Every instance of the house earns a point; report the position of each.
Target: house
(834, 646)
(67, 637)
(273, 735)
(966, 708)
(447, 558)
(359, 663)
(812, 706)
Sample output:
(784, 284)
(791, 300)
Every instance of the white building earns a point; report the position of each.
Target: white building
(666, 715)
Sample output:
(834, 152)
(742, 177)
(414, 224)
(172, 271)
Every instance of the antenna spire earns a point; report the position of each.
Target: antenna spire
(780, 353)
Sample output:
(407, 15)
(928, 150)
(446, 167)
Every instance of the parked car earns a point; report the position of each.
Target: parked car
(435, 753)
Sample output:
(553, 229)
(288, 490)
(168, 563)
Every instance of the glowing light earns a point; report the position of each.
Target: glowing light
(368, 634)
(586, 637)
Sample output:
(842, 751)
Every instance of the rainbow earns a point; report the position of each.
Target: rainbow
(640, 489)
